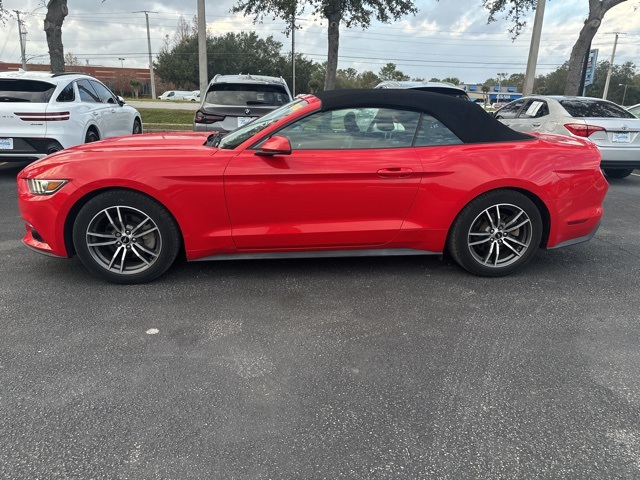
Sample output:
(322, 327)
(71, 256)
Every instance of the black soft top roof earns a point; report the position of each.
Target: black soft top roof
(468, 121)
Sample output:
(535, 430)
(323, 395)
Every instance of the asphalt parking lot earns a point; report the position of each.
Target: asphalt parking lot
(381, 368)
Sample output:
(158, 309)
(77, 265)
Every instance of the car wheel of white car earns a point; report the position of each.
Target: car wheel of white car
(618, 172)
(125, 237)
(91, 136)
(496, 234)
(137, 127)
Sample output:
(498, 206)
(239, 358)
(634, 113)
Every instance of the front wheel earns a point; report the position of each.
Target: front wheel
(137, 127)
(618, 172)
(125, 237)
(496, 234)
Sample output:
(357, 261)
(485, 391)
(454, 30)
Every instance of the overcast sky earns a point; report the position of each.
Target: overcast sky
(449, 38)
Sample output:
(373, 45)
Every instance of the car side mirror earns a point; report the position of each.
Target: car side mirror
(275, 146)
(121, 101)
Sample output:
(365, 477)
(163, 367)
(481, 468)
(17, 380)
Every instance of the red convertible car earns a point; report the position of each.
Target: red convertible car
(347, 172)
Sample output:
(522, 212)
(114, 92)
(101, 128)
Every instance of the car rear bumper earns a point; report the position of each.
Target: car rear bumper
(29, 149)
(621, 157)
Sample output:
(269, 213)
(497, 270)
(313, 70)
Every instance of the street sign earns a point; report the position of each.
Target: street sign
(590, 73)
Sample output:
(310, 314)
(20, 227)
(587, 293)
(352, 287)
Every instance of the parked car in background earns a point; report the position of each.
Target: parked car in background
(444, 88)
(232, 101)
(613, 129)
(635, 110)
(193, 96)
(174, 95)
(41, 113)
(343, 172)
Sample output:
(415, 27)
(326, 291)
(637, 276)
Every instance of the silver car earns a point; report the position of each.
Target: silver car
(613, 129)
(232, 101)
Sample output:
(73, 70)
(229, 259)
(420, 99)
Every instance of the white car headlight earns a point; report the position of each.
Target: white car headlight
(45, 187)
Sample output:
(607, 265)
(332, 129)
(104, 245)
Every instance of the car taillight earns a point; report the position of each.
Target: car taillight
(203, 117)
(582, 130)
(42, 117)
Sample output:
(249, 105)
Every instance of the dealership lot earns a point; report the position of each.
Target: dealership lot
(342, 368)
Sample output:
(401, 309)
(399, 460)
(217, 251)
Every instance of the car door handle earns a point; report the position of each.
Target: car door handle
(95, 114)
(536, 124)
(395, 172)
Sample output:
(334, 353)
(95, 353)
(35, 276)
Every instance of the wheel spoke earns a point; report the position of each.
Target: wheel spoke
(498, 214)
(481, 241)
(101, 235)
(486, 259)
(113, 224)
(514, 219)
(120, 218)
(497, 254)
(102, 244)
(115, 255)
(518, 226)
(515, 240)
(124, 254)
(493, 225)
(511, 248)
(134, 249)
(147, 232)
(135, 229)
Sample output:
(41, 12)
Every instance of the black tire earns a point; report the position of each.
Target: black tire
(496, 234)
(91, 136)
(125, 237)
(618, 172)
(137, 127)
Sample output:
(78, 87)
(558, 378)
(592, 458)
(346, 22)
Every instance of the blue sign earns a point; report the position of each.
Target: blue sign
(590, 74)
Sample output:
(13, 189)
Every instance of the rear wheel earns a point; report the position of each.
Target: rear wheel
(618, 172)
(92, 136)
(125, 237)
(496, 234)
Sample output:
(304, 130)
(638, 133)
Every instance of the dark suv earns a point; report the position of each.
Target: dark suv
(234, 100)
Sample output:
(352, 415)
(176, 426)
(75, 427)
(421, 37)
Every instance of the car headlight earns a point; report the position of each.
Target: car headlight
(45, 187)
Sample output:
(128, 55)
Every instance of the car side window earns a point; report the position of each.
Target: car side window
(510, 110)
(67, 94)
(103, 92)
(534, 109)
(87, 94)
(433, 133)
(353, 128)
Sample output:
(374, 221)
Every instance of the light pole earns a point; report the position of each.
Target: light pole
(122, 62)
(625, 92)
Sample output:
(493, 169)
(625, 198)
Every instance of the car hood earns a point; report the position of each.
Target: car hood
(130, 149)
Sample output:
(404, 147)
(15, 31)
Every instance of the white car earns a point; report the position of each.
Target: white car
(41, 113)
(193, 96)
(613, 129)
(174, 95)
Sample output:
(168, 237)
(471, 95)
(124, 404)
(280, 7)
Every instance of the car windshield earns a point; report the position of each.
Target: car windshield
(31, 91)
(235, 138)
(246, 94)
(594, 108)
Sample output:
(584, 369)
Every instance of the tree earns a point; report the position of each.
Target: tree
(349, 12)
(454, 80)
(517, 9)
(70, 60)
(56, 12)
(390, 72)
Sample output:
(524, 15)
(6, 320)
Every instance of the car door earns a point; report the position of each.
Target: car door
(509, 112)
(337, 188)
(532, 117)
(118, 122)
(94, 110)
